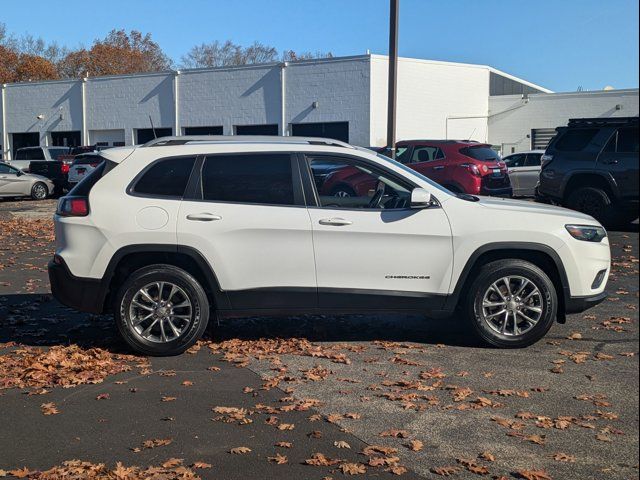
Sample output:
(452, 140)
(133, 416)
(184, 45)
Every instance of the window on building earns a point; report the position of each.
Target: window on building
(575, 140)
(144, 135)
(203, 130)
(335, 130)
(65, 139)
(166, 178)
(256, 129)
(248, 178)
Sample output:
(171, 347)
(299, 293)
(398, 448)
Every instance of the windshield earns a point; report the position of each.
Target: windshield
(416, 174)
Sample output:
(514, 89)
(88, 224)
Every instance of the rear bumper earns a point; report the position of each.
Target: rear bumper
(580, 304)
(83, 294)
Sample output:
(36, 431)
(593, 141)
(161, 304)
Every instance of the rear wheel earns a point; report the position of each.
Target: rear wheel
(512, 303)
(39, 191)
(161, 310)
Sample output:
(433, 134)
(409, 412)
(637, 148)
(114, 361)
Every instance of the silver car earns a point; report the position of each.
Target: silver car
(16, 183)
(524, 171)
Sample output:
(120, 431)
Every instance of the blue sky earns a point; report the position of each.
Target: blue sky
(560, 44)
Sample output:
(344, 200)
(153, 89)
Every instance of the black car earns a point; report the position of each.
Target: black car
(591, 165)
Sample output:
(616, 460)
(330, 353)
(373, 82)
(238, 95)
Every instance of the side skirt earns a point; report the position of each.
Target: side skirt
(288, 300)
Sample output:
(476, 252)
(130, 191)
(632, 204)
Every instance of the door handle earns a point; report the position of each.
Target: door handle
(611, 161)
(203, 217)
(438, 168)
(338, 222)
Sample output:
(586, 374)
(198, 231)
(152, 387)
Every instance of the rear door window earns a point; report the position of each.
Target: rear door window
(165, 178)
(533, 160)
(628, 140)
(575, 140)
(515, 161)
(265, 179)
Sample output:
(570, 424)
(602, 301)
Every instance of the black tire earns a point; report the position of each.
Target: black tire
(346, 189)
(192, 290)
(494, 271)
(592, 201)
(39, 191)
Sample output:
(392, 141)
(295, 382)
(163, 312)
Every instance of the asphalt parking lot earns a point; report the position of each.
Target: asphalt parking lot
(312, 397)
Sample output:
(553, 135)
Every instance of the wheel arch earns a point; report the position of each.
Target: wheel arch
(133, 257)
(590, 179)
(539, 254)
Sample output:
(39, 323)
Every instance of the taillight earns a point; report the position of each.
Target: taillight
(94, 165)
(73, 207)
(64, 168)
(473, 168)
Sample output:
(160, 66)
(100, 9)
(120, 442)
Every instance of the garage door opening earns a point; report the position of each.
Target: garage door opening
(21, 140)
(106, 138)
(335, 130)
(66, 139)
(203, 130)
(256, 129)
(144, 135)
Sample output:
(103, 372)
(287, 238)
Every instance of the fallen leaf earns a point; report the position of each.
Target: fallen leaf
(240, 450)
(341, 444)
(278, 459)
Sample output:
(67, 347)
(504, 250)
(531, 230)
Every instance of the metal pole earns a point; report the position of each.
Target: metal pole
(393, 73)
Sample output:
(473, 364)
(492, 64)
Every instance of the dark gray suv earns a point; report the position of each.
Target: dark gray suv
(591, 166)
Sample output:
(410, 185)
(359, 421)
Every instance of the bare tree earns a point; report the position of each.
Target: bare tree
(216, 54)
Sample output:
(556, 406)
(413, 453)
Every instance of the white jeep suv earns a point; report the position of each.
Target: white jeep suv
(166, 233)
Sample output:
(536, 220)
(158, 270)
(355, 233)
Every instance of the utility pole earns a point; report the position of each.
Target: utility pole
(393, 75)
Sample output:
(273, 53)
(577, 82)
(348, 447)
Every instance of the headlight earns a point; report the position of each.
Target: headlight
(587, 233)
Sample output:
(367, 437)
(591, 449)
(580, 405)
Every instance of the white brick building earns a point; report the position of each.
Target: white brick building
(343, 97)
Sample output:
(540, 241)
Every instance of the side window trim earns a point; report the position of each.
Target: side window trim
(194, 191)
(310, 185)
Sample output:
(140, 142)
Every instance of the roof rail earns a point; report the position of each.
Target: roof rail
(186, 139)
(578, 122)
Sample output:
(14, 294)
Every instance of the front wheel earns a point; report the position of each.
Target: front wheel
(512, 303)
(39, 191)
(161, 310)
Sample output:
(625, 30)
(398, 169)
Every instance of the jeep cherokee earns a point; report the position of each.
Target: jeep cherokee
(166, 234)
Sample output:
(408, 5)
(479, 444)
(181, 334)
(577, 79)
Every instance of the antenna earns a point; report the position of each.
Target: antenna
(472, 132)
(152, 127)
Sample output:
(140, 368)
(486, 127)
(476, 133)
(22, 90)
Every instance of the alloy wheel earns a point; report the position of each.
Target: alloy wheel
(512, 306)
(160, 312)
(39, 191)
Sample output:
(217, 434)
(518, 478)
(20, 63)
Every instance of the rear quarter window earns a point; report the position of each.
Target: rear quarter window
(575, 140)
(165, 178)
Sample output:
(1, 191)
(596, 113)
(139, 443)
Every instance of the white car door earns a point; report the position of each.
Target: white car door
(371, 248)
(249, 221)
(10, 182)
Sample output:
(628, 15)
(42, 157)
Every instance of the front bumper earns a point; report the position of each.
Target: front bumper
(83, 294)
(580, 304)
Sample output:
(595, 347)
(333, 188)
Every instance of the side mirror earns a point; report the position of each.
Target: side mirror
(19, 173)
(420, 198)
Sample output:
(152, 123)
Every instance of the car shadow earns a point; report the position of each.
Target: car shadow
(39, 320)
